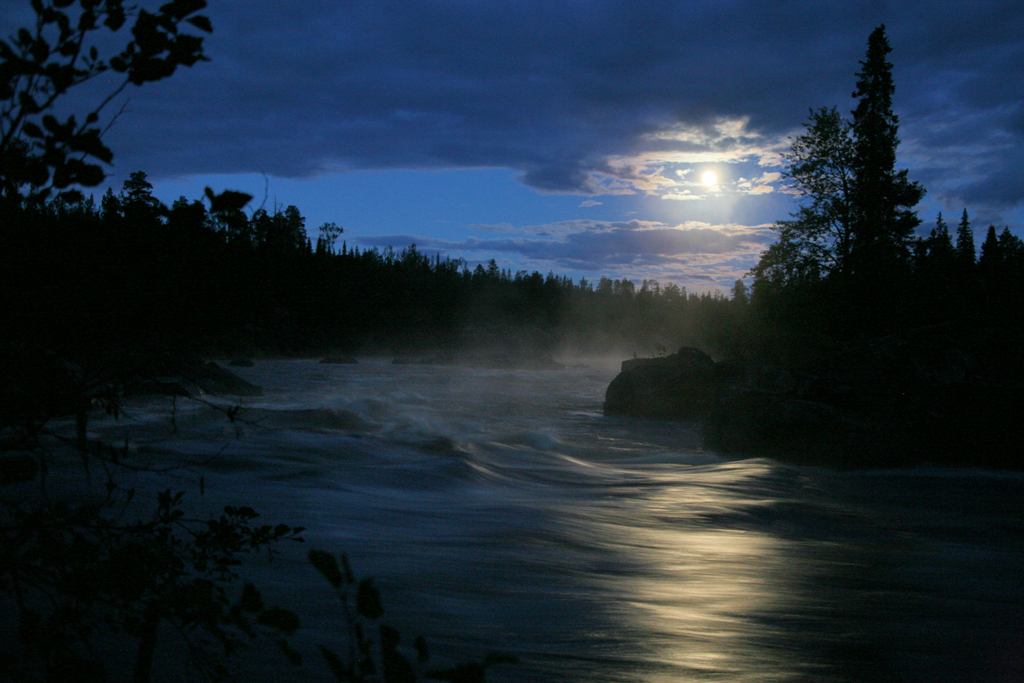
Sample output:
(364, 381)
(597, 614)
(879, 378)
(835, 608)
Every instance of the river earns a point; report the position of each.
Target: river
(500, 510)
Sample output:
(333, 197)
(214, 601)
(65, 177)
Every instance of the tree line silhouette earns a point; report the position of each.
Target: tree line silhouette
(89, 279)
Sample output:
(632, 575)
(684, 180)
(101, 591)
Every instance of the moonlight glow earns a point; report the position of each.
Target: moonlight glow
(709, 178)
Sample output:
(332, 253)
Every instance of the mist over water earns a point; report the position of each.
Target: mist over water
(500, 510)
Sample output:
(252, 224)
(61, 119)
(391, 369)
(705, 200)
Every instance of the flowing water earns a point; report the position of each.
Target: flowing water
(500, 510)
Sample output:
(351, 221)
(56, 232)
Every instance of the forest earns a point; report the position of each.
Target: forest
(226, 283)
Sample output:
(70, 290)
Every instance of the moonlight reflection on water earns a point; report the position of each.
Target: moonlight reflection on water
(500, 510)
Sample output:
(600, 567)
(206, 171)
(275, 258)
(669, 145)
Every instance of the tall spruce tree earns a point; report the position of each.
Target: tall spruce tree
(939, 252)
(965, 244)
(1011, 247)
(883, 197)
(991, 257)
(941, 242)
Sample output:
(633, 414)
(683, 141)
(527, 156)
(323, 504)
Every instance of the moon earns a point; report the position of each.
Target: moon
(709, 178)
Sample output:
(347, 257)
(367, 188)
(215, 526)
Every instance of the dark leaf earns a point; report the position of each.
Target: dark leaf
(179, 9)
(290, 654)
(325, 564)
(115, 17)
(90, 143)
(227, 201)
(390, 638)
(251, 600)
(349, 576)
(28, 103)
(396, 668)
(202, 23)
(145, 70)
(368, 601)
(87, 22)
(422, 652)
(32, 130)
(90, 175)
(40, 51)
(340, 671)
(73, 197)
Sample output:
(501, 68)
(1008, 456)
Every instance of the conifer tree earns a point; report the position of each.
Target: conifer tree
(940, 244)
(884, 198)
(991, 267)
(935, 255)
(965, 244)
(140, 207)
(991, 253)
(1011, 246)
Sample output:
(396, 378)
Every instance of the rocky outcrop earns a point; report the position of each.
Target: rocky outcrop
(213, 379)
(884, 402)
(684, 385)
(43, 385)
(192, 379)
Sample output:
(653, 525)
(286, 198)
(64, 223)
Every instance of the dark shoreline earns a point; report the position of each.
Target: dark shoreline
(888, 406)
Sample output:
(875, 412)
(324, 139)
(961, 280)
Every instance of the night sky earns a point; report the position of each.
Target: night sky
(576, 136)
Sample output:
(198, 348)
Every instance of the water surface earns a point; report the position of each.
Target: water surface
(500, 510)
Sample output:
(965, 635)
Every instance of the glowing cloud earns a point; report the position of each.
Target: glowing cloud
(677, 162)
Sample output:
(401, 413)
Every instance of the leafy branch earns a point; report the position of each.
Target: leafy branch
(39, 65)
(379, 659)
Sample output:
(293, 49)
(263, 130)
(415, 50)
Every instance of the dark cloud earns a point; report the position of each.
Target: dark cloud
(554, 89)
(1001, 186)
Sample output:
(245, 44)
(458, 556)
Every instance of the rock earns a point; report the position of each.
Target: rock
(193, 379)
(338, 360)
(213, 379)
(684, 385)
(162, 386)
